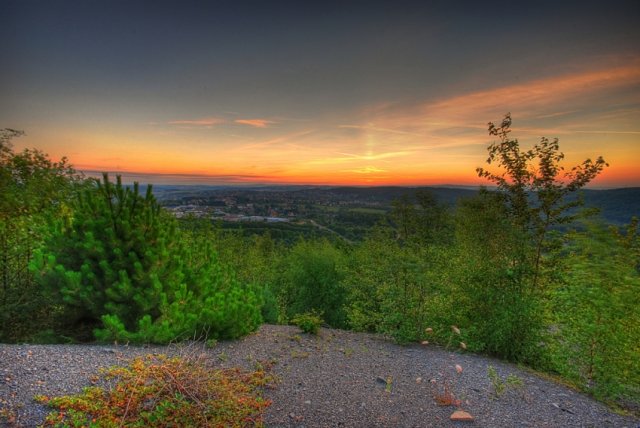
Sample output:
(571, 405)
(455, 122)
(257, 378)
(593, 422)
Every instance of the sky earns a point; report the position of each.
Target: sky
(331, 93)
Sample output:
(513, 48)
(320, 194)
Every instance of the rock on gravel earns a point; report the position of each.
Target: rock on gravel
(335, 379)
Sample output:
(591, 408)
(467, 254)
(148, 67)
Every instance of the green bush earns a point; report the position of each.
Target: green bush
(309, 322)
(119, 267)
(396, 289)
(492, 279)
(594, 313)
(254, 259)
(312, 277)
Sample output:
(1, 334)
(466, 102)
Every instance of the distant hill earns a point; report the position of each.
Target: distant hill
(447, 195)
(616, 205)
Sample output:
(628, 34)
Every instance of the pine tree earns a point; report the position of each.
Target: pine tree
(119, 264)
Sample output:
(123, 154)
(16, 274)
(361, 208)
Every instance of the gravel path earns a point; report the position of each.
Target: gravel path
(336, 379)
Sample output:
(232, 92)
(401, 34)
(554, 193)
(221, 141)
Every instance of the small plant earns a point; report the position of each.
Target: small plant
(157, 391)
(500, 386)
(8, 417)
(445, 395)
(308, 322)
(300, 354)
(388, 385)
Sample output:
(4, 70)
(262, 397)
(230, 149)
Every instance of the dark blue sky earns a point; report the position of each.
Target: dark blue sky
(111, 68)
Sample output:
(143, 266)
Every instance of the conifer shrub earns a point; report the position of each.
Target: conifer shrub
(118, 267)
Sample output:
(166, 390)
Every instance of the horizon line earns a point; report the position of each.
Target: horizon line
(230, 180)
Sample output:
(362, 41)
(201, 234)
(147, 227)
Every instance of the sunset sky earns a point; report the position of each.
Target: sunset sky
(362, 92)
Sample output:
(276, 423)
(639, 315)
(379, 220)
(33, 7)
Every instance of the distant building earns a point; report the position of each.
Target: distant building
(277, 220)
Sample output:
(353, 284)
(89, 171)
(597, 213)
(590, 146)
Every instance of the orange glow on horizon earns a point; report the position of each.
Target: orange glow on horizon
(431, 142)
(620, 177)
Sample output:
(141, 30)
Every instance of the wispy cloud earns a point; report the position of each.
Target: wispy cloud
(282, 139)
(608, 132)
(256, 123)
(374, 128)
(536, 98)
(556, 114)
(210, 121)
(366, 170)
(348, 157)
(574, 103)
(379, 156)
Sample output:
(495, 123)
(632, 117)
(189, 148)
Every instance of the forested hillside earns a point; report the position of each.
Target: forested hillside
(520, 269)
(347, 208)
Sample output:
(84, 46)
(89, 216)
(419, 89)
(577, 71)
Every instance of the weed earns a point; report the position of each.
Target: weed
(389, 384)
(7, 416)
(222, 356)
(266, 365)
(348, 352)
(500, 386)
(157, 391)
(445, 395)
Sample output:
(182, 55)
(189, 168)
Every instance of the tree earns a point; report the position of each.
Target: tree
(595, 311)
(534, 184)
(502, 237)
(423, 221)
(397, 289)
(119, 266)
(498, 308)
(312, 281)
(33, 189)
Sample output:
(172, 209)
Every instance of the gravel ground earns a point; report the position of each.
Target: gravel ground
(335, 379)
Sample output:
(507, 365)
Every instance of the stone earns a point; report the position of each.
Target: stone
(462, 416)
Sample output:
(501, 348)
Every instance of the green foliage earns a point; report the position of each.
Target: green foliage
(595, 319)
(118, 266)
(397, 289)
(312, 280)
(397, 277)
(535, 185)
(492, 281)
(33, 189)
(502, 240)
(162, 392)
(424, 221)
(255, 259)
(308, 322)
(114, 264)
